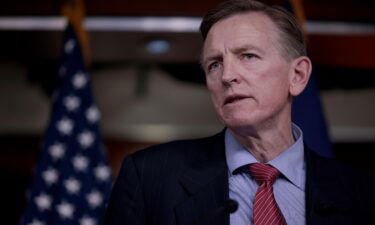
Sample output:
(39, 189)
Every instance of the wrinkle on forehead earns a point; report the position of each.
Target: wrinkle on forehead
(265, 30)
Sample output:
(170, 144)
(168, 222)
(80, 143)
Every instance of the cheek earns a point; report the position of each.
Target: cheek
(216, 99)
(278, 93)
(216, 95)
(213, 87)
(274, 89)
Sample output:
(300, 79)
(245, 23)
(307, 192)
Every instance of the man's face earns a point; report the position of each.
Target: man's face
(246, 73)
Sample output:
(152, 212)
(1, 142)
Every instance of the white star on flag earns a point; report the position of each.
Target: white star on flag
(80, 163)
(72, 103)
(94, 199)
(36, 222)
(87, 221)
(43, 202)
(65, 126)
(69, 46)
(79, 80)
(92, 114)
(50, 176)
(102, 173)
(72, 185)
(65, 210)
(86, 139)
(57, 151)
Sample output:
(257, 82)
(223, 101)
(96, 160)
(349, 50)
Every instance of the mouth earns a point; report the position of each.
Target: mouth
(234, 99)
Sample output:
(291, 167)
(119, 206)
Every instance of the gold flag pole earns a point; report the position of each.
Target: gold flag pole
(74, 11)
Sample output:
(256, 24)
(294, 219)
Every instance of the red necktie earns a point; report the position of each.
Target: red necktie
(265, 209)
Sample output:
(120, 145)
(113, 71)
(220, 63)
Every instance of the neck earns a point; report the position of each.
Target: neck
(266, 144)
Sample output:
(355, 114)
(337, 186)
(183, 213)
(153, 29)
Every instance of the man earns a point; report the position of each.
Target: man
(255, 62)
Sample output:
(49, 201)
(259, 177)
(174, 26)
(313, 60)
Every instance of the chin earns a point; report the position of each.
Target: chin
(238, 122)
(241, 121)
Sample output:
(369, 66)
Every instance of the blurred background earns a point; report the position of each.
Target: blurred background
(149, 86)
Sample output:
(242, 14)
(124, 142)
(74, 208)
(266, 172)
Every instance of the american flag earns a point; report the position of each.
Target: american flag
(72, 180)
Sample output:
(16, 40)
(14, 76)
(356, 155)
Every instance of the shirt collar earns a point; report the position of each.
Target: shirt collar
(290, 162)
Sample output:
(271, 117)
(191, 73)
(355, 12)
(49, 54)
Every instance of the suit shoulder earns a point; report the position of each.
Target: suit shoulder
(331, 168)
(176, 147)
(331, 165)
(325, 163)
(175, 153)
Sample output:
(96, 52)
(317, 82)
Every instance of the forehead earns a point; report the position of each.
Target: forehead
(254, 27)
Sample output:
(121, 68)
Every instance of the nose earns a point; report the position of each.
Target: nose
(230, 74)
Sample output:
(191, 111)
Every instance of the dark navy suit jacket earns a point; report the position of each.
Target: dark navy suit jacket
(186, 183)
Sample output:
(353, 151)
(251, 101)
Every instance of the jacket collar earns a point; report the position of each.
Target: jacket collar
(205, 180)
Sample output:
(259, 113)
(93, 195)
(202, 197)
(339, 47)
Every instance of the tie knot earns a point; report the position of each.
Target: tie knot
(264, 172)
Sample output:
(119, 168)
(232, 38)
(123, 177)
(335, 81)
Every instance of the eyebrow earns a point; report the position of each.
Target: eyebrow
(246, 47)
(236, 50)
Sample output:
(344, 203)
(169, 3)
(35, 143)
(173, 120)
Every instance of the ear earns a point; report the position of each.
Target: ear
(299, 75)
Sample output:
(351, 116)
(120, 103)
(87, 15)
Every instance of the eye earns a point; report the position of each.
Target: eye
(213, 66)
(248, 55)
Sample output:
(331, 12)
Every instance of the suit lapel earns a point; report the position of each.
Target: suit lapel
(205, 181)
(327, 201)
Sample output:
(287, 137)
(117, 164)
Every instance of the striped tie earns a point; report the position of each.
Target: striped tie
(266, 211)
